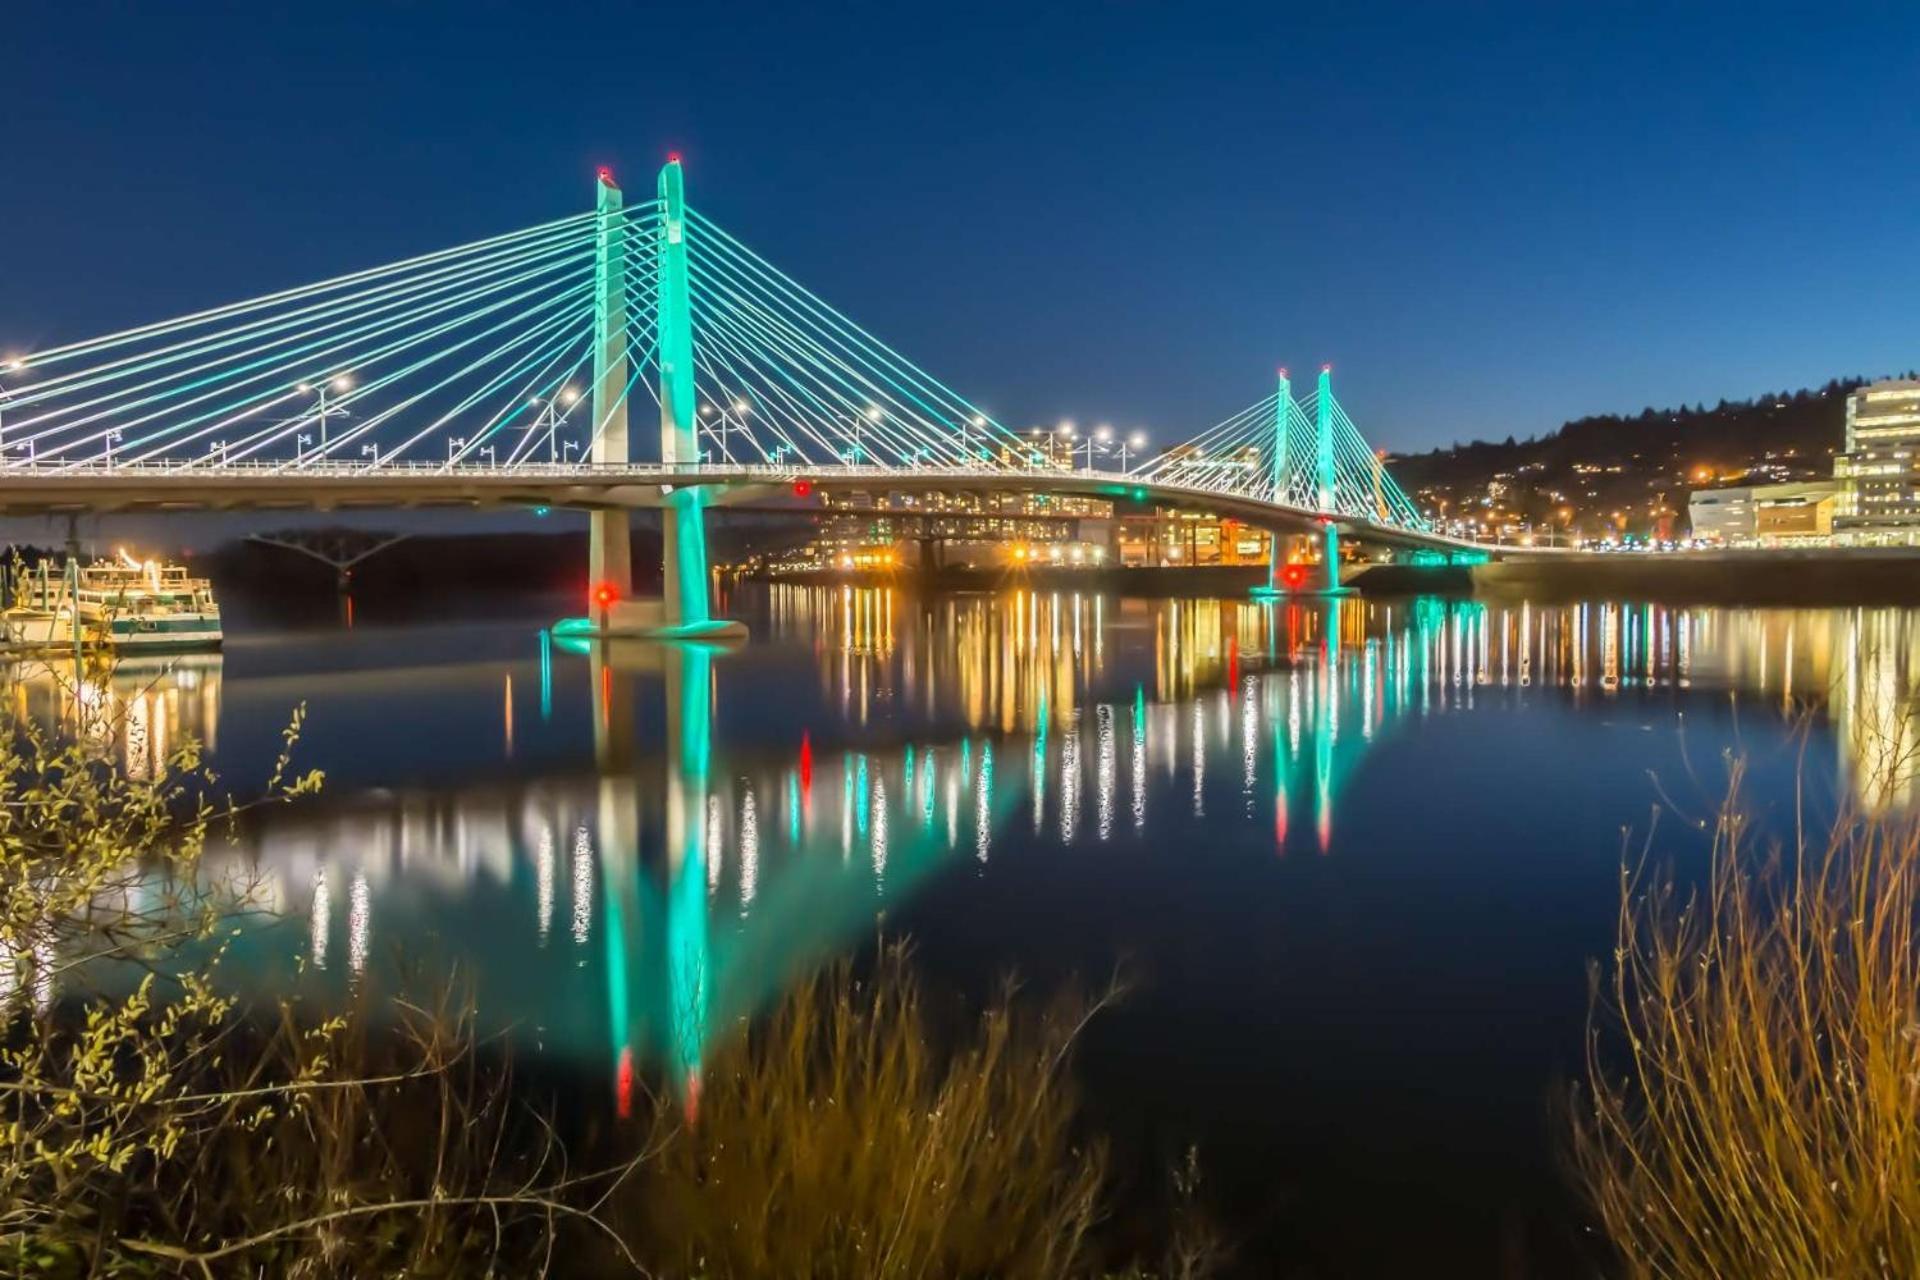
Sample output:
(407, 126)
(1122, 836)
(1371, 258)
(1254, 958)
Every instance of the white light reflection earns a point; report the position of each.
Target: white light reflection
(1293, 712)
(1103, 727)
(543, 875)
(880, 834)
(1139, 768)
(982, 809)
(953, 808)
(359, 922)
(319, 918)
(749, 851)
(1249, 745)
(582, 886)
(1069, 781)
(1199, 760)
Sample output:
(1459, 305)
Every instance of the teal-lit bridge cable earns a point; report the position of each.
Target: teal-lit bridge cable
(454, 360)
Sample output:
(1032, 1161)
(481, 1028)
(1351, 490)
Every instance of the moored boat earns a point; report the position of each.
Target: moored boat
(126, 603)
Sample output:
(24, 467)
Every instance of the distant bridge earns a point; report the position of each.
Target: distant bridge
(451, 379)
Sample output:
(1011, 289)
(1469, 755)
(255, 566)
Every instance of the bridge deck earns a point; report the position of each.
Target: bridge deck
(54, 489)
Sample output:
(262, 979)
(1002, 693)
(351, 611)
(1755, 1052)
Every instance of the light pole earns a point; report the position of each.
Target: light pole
(339, 382)
(873, 414)
(1130, 445)
(552, 415)
(371, 449)
(567, 449)
(1101, 434)
(300, 443)
(726, 428)
(113, 434)
(454, 446)
(1064, 432)
(977, 422)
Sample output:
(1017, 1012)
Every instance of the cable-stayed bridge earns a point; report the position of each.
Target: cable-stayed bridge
(504, 372)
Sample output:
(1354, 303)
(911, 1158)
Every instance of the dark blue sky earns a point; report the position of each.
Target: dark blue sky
(1489, 220)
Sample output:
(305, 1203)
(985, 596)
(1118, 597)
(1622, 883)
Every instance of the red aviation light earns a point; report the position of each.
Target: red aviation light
(1294, 575)
(604, 595)
(802, 488)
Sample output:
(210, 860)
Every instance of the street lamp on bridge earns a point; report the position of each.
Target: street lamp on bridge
(977, 422)
(858, 453)
(727, 427)
(339, 383)
(552, 416)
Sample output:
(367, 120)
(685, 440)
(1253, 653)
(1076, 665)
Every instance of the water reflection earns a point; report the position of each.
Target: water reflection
(688, 873)
(139, 712)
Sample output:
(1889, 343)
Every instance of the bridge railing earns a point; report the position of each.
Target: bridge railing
(414, 468)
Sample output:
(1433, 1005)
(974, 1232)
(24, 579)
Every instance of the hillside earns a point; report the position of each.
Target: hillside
(1609, 472)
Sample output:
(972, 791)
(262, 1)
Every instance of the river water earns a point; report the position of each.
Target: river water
(1355, 857)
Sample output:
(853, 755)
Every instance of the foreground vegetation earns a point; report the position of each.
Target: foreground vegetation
(1758, 1112)
(155, 1123)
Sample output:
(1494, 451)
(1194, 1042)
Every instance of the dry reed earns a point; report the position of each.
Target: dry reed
(836, 1140)
(1760, 1113)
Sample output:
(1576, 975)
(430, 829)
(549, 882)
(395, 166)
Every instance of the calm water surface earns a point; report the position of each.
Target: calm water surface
(1356, 856)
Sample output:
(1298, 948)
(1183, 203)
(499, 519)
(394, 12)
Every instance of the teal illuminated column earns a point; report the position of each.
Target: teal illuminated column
(683, 526)
(609, 541)
(1324, 474)
(1281, 406)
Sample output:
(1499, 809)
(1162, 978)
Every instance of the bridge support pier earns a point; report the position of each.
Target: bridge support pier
(683, 610)
(1327, 581)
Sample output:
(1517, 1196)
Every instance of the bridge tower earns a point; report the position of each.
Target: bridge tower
(1326, 479)
(683, 523)
(610, 532)
(1277, 480)
(683, 610)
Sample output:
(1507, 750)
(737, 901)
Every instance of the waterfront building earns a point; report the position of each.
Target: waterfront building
(1879, 474)
(1175, 539)
(1797, 511)
(1722, 515)
(904, 530)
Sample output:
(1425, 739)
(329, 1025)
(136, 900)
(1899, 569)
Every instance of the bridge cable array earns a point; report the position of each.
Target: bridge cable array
(481, 355)
(1302, 453)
